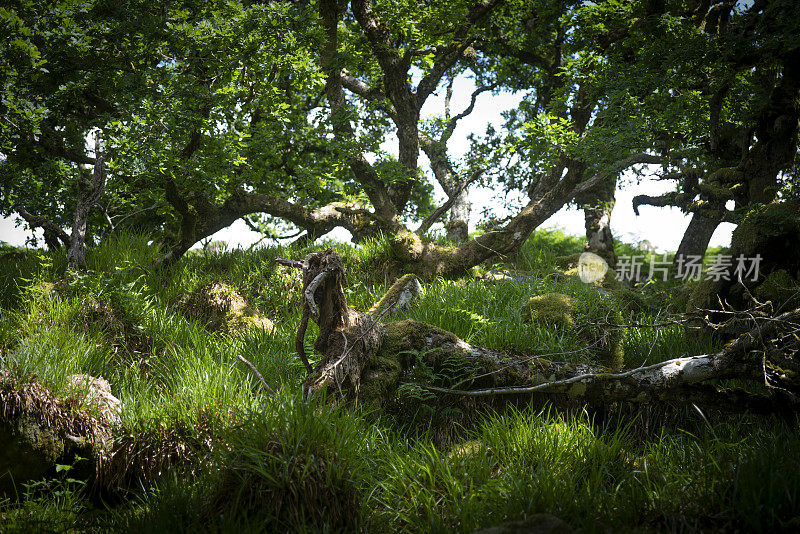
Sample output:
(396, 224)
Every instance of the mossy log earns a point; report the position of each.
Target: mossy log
(366, 360)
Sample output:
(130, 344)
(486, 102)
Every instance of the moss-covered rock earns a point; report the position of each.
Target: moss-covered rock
(222, 309)
(96, 392)
(562, 310)
(567, 262)
(551, 308)
(28, 450)
(38, 430)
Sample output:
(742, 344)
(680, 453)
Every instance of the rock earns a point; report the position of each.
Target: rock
(504, 276)
(567, 262)
(222, 309)
(561, 310)
(38, 429)
(27, 451)
(535, 524)
(97, 394)
(552, 308)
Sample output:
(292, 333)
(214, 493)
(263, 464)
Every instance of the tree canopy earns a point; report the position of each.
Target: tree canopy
(281, 112)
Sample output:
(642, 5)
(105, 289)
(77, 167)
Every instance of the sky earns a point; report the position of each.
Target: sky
(662, 227)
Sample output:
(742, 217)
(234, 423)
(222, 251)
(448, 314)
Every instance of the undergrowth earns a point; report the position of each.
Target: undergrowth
(276, 464)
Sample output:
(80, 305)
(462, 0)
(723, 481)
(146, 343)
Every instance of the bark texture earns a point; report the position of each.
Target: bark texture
(768, 241)
(88, 195)
(89, 191)
(597, 207)
(697, 236)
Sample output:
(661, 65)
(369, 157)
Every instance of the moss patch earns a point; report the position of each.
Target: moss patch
(27, 451)
(551, 308)
(407, 246)
(35, 427)
(567, 262)
(222, 309)
(562, 310)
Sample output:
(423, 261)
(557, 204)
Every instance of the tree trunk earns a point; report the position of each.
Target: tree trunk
(696, 237)
(458, 225)
(366, 360)
(597, 208)
(460, 207)
(766, 243)
(87, 196)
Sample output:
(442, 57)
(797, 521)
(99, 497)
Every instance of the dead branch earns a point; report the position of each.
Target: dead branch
(289, 263)
(255, 372)
(308, 293)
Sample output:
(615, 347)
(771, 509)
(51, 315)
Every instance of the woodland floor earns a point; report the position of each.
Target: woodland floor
(201, 446)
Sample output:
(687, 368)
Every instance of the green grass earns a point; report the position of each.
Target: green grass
(286, 464)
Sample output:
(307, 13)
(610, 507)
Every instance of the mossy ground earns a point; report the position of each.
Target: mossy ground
(216, 443)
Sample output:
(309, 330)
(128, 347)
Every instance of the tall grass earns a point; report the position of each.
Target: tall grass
(285, 463)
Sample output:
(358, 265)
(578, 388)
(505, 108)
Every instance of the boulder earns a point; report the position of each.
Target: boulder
(562, 310)
(222, 309)
(39, 430)
(96, 392)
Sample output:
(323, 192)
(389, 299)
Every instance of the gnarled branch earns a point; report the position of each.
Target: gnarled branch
(441, 210)
(53, 234)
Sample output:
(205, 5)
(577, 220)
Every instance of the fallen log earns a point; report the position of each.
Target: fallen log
(365, 358)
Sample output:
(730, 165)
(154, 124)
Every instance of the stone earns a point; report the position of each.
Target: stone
(222, 309)
(39, 430)
(98, 395)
